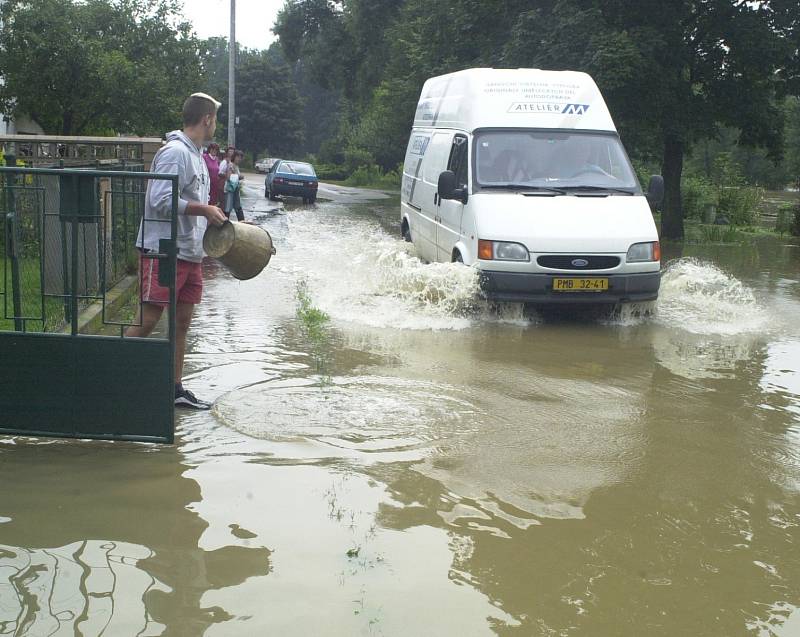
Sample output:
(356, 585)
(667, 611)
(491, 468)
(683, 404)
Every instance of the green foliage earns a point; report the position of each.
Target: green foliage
(736, 200)
(312, 318)
(373, 177)
(313, 322)
(355, 158)
(720, 234)
(644, 170)
(754, 163)
(328, 172)
(698, 194)
(100, 65)
(673, 73)
(268, 106)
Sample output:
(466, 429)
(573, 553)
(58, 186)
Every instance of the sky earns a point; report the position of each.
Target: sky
(254, 19)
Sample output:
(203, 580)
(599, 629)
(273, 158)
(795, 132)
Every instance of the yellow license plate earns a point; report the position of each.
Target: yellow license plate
(579, 285)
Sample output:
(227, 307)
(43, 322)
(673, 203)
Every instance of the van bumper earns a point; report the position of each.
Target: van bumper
(525, 287)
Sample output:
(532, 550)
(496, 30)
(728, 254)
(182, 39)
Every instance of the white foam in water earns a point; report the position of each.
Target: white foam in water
(700, 298)
(357, 272)
(365, 414)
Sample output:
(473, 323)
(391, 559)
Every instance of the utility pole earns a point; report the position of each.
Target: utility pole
(232, 78)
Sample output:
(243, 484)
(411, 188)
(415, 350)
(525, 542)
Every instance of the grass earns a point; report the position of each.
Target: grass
(45, 314)
(312, 318)
(313, 322)
(702, 233)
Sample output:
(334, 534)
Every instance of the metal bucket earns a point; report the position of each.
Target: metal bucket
(243, 248)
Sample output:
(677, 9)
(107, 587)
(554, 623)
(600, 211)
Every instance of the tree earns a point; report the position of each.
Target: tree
(674, 71)
(80, 67)
(268, 106)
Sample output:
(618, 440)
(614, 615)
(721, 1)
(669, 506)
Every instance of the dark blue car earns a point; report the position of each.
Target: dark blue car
(291, 178)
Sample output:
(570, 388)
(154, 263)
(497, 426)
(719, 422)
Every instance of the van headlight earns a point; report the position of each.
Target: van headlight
(502, 251)
(649, 251)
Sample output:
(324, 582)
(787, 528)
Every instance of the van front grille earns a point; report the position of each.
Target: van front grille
(578, 262)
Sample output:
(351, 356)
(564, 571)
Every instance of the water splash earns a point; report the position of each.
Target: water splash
(359, 273)
(698, 297)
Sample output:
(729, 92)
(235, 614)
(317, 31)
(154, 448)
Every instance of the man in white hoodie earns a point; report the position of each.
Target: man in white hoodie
(182, 156)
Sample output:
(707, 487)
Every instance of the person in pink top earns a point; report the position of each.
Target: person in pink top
(211, 157)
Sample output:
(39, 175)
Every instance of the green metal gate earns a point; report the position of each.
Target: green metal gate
(69, 288)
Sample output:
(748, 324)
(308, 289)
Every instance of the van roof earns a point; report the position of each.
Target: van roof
(512, 98)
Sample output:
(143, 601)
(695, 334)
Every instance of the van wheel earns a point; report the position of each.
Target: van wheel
(457, 258)
(406, 231)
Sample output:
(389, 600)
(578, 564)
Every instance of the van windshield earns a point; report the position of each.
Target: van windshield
(552, 159)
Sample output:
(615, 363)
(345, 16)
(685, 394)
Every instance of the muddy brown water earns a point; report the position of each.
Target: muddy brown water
(422, 463)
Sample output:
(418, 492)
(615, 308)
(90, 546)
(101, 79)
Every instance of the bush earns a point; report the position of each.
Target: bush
(374, 177)
(355, 158)
(740, 204)
(331, 171)
(737, 201)
(643, 173)
(719, 234)
(697, 193)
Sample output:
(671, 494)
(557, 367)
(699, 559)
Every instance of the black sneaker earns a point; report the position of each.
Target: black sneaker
(185, 398)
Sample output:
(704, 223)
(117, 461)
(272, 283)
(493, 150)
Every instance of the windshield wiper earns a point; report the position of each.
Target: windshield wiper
(599, 189)
(525, 187)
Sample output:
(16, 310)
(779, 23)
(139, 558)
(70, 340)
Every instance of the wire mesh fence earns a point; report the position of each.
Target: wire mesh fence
(47, 262)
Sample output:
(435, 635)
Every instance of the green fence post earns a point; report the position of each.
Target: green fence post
(11, 249)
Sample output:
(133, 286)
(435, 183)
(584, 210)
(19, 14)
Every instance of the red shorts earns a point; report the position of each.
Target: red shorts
(188, 283)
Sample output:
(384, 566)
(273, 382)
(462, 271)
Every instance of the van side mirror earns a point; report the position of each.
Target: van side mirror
(447, 187)
(447, 184)
(655, 190)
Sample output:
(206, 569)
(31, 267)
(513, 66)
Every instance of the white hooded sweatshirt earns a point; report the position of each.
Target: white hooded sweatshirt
(179, 156)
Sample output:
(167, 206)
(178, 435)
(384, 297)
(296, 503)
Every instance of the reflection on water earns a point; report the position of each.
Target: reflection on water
(85, 588)
(441, 466)
(146, 576)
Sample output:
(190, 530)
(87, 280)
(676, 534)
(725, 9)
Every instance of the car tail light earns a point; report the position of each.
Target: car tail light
(278, 180)
(313, 184)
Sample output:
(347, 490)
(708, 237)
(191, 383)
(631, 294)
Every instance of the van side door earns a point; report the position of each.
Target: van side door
(412, 176)
(451, 211)
(434, 162)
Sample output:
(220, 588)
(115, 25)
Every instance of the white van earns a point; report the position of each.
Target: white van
(522, 174)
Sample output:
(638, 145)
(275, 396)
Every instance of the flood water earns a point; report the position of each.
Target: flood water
(423, 463)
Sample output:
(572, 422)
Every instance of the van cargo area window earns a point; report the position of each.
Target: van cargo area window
(552, 159)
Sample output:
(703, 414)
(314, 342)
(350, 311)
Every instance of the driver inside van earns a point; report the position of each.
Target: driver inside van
(579, 157)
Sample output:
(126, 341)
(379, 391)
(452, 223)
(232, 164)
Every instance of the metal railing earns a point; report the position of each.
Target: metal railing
(69, 238)
(68, 291)
(53, 150)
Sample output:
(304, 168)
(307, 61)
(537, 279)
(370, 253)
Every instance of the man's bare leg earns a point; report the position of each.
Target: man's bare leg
(149, 315)
(183, 320)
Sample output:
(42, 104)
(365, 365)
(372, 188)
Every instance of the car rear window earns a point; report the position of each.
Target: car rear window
(297, 168)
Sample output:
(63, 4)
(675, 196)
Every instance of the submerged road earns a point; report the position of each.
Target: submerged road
(401, 458)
